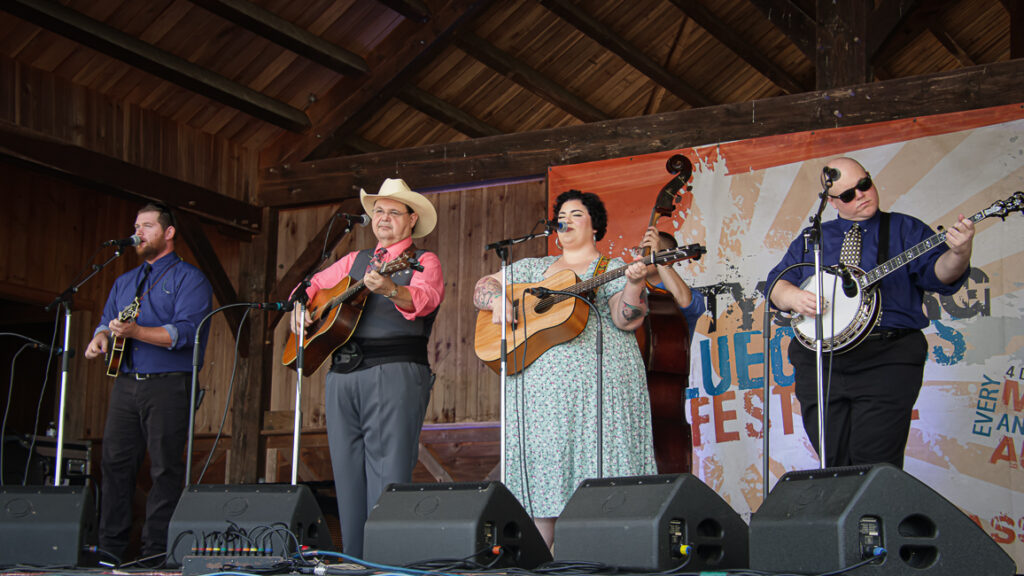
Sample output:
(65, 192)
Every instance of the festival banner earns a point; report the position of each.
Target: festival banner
(749, 200)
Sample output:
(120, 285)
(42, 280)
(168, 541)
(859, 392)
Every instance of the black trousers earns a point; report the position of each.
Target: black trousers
(870, 393)
(143, 415)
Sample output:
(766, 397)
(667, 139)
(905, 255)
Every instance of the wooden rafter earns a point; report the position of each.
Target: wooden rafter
(192, 233)
(109, 174)
(285, 34)
(523, 154)
(414, 10)
(518, 72)
(338, 114)
(604, 36)
(792, 21)
(433, 106)
(733, 41)
(116, 44)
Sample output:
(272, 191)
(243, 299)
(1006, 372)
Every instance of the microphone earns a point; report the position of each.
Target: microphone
(539, 292)
(361, 219)
(831, 174)
(281, 306)
(849, 284)
(133, 240)
(47, 348)
(555, 226)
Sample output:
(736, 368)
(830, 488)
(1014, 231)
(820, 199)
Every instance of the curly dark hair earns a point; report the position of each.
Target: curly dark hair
(593, 204)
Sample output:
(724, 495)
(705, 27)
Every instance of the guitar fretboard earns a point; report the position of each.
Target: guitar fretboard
(894, 264)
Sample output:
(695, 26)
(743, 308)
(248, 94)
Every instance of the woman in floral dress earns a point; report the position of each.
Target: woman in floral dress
(551, 406)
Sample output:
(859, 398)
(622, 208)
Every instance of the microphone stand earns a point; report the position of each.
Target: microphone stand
(543, 293)
(65, 300)
(298, 300)
(812, 238)
(501, 249)
(192, 397)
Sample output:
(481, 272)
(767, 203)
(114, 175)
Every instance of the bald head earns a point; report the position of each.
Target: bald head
(850, 176)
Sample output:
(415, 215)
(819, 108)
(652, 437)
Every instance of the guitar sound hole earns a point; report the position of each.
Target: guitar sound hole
(543, 305)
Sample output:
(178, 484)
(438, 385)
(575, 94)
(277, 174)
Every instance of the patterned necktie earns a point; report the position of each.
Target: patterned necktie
(377, 260)
(849, 254)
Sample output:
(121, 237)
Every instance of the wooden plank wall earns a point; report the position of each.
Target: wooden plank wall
(49, 226)
(50, 232)
(468, 220)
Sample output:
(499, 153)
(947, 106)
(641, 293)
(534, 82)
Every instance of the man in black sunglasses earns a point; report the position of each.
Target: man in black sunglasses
(871, 388)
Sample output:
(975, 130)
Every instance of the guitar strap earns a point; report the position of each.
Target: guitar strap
(883, 237)
(602, 265)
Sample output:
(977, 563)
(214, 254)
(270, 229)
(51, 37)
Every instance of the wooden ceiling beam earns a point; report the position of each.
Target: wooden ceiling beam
(527, 77)
(414, 10)
(192, 233)
(842, 58)
(950, 44)
(754, 57)
(887, 16)
(116, 44)
(354, 99)
(792, 21)
(1016, 11)
(604, 36)
(439, 109)
(109, 174)
(287, 35)
(524, 154)
(881, 49)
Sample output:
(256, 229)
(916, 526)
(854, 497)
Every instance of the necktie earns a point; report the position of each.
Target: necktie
(377, 260)
(849, 253)
(146, 269)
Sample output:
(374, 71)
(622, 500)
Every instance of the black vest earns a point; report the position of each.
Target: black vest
(381, 320)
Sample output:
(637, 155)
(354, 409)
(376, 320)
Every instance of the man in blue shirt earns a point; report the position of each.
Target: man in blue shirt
(148, 407)
(871, 388)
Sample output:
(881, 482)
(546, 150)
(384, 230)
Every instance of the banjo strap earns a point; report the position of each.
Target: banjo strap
(883, 237)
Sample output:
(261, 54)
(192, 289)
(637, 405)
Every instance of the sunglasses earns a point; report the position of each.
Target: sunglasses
(864, 184)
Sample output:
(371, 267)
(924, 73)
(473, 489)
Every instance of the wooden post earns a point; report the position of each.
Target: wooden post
(258, 260)
(842, 57)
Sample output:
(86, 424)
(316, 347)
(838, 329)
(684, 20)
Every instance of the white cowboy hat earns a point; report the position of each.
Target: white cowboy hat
(396, 189)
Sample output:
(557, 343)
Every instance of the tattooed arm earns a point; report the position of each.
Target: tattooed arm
(629, 306)
(487, 296)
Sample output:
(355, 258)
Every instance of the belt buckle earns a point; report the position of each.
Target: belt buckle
(140, 377)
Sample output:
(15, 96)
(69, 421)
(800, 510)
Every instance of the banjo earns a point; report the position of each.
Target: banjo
(856, 309)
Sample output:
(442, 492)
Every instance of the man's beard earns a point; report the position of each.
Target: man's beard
(150, 249)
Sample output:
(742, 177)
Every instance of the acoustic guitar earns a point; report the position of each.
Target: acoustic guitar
(848, 319)
(542, 323)
(115, 348)
(336, 313)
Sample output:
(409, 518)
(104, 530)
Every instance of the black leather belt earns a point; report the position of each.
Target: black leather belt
(890, 333)
(136, 376)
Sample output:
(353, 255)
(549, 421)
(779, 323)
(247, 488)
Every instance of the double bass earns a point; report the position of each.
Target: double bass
(664, 340)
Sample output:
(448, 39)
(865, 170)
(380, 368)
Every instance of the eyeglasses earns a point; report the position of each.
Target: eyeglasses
(380, 212)
(864, 184)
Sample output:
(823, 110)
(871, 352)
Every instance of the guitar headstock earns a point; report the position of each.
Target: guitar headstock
(1003, 208)
(403, 261)
(691, 252)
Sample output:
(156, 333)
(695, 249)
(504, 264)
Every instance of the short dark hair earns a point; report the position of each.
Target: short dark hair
(593, 204)
(669, 239)
(165, 218)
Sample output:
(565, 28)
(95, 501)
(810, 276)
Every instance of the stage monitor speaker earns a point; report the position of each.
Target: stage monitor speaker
(45, 525)
(414, 523)
(825, 520)
(642, 522)
(211, 518)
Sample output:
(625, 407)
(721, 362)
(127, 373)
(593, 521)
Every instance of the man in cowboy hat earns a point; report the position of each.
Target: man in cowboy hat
(380, 380)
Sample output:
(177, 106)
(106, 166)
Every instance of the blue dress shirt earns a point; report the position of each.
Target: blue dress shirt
(901, 291)
(175, 296)
(694, 311)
